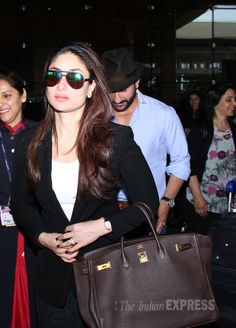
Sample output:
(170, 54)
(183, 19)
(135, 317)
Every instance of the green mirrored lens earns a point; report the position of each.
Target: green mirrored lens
(75, 80)
(52, 78)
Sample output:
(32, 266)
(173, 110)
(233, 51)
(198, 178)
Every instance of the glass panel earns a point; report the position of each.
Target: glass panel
(208, 44)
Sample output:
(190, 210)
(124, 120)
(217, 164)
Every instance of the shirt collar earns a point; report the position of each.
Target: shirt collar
(141, 97)
(15, 129)
(137, 111)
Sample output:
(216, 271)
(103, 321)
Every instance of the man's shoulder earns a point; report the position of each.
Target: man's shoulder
(155, 105)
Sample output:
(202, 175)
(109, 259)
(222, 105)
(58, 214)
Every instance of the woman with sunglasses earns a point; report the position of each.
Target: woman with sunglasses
(14, 251)
(65, 198)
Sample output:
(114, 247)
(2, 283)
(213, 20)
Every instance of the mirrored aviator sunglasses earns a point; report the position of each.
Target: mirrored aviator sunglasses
(74, 79)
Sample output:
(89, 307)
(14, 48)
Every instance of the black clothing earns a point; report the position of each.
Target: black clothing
(195, 222)
(40, 211)
(9, 235)
(50, 316)
(9, 138)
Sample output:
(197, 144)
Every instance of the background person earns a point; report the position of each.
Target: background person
(65, 199)
(212, 150)
(156, 126)
(14, 298)
(193, 113)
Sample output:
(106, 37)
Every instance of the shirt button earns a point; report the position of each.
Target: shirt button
(12, 150)
(12, 137)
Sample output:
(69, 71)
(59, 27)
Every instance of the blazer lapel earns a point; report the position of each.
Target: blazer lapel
(44, 189)
(83, 209)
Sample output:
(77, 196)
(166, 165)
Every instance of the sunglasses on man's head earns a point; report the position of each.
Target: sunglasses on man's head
(74, 79)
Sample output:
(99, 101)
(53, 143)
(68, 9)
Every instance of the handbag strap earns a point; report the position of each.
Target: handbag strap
(150, 218)
(93, 306)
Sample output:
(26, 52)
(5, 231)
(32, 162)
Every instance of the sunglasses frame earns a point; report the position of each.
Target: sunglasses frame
(57, 76)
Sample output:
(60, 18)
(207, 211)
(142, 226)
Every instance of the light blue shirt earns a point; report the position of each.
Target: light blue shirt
(158, 131)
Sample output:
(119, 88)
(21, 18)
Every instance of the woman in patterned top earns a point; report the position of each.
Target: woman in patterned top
(212, 150)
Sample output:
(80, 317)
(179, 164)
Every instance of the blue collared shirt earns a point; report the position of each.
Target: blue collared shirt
(158, 131)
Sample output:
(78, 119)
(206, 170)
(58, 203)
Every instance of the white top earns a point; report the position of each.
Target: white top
(65, 184)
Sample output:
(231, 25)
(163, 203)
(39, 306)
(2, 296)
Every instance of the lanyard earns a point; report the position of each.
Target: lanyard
(5, 157)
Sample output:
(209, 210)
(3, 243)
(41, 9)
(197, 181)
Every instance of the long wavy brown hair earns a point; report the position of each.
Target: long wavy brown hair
(94, 139)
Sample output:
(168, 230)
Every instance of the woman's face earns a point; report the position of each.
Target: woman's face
(227, 104)
(194, 101)
(10, 104)
(62, 97)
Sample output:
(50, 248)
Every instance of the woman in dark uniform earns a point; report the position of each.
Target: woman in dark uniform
(12, 245)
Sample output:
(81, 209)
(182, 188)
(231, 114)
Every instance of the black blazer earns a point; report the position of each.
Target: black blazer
(39, 211)
(9, 236)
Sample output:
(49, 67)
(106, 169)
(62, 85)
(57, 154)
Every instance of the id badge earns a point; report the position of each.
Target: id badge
(6, 217)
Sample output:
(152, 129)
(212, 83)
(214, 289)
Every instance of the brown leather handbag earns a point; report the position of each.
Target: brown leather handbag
(159, 281)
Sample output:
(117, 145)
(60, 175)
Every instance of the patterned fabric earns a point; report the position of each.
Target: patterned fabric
(220, 168)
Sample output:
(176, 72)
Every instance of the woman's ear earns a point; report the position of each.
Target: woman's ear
(92, 86)
(24, 96)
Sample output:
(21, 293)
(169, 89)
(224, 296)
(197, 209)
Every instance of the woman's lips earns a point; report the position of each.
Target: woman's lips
(61, 98)
(4, 111)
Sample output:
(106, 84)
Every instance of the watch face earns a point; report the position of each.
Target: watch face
(171, 203)
(107, 225)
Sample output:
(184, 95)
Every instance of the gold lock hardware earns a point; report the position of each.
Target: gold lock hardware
(104, 266)
(142, 257)
(182, 247)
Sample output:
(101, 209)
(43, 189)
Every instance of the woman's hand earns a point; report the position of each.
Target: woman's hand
(63, 250)
(201, 206)
(82, 234)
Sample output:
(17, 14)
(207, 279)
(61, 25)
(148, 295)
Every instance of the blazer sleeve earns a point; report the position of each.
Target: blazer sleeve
(137, 178)
(23, 203)
(196, 148)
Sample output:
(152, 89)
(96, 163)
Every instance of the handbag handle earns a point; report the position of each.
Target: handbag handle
(150, 218)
